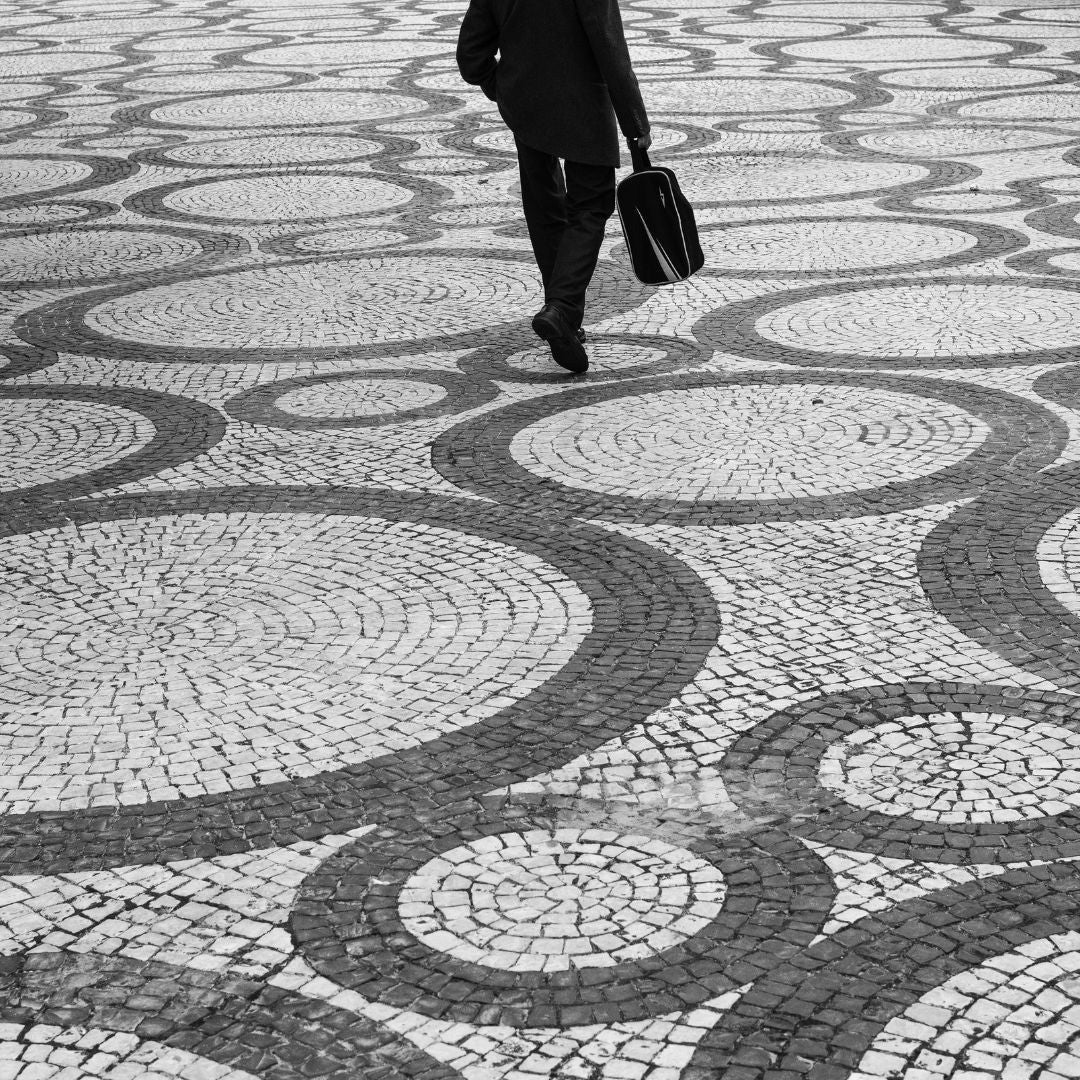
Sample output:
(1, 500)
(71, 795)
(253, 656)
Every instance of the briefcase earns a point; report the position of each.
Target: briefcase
(657, 223)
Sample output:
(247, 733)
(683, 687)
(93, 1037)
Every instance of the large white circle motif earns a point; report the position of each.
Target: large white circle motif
(360, 301)
(303, 197)
(748, 442)
(932, 321)
(829, 244)
(175, 656)
(958, 768)
(44, 441)
(551, 901)
(279, 108)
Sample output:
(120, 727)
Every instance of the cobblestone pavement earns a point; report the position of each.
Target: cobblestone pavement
(380, 702)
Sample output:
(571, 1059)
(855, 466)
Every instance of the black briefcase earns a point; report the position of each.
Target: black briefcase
(658, 223)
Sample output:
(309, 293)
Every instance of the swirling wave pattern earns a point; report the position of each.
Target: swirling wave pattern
(379, 702)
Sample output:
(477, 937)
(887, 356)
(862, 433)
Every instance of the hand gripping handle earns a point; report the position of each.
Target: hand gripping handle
(639, 158)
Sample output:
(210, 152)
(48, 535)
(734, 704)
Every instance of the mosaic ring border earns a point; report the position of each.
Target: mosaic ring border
(994, 592)
(1038, 262)
(353, 935)
(257, 406)
(654, 622)
(183, 429)
(216, 1015)
(731, 328)
(24, 360)
(777, 761)
(868, 973)
(475, 455)
(1058, 220)
(492, 362)
(213, 248)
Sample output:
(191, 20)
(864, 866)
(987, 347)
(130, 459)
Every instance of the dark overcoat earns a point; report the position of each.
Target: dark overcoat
(563, 74)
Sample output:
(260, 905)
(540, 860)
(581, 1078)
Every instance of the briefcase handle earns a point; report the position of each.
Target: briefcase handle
(639, 158)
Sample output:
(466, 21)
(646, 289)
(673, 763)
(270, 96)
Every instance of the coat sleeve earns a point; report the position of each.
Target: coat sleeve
(478, 41)
(604, 29)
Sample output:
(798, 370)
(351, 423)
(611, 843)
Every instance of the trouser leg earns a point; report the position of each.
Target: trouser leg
(590, 201)
(543, 199)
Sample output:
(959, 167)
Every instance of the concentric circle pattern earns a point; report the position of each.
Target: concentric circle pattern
(550, 901)
(376, 653)
(380, 700)
(746, 443)
(358, 302)
(978, 767)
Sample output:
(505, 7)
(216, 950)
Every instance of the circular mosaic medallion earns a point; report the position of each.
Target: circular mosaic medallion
(948, 322)
(281, 108)
(951, 773)
(957, 202)
(247, 152)
(860, 12)
(957, 767)
(896, 49)
(345, 238)
(64, 441)
(545, 927)
(370, 399)
(552, 901)
(1017, 1012)
(249, 615)
(322, 306)
(1041, 106)
(58, 62)
(23, 176)
(827, 247)
(721, 95)
(270, 197)
(47, 1052)
(337, 54)
(957, 140)
(43, 440)
(965, 78)
(768, 442)
(709, 449)
(766, 178)
(378, 635)
(204, 82)
(92, 255)
(126, 27)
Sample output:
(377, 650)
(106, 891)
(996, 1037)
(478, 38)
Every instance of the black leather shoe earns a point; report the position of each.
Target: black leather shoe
(567, 351)
(580, 334)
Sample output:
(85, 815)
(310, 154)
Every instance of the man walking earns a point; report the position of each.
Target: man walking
(562, 78)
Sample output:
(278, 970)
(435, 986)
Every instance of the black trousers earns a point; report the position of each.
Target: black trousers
(565, 215)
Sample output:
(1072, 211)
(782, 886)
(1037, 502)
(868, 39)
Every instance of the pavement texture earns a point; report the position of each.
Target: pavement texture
(378, 701)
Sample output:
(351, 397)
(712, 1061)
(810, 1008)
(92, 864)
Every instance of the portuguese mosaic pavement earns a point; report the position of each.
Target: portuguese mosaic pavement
(378, 701)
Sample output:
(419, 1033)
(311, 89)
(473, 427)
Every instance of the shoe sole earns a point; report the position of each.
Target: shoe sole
(567, 352)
